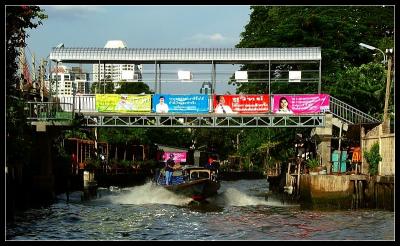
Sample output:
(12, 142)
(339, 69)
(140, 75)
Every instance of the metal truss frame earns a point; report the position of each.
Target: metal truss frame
(203, 120)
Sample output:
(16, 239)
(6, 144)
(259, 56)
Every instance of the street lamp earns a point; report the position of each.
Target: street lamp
(374, 48)
(388, 77)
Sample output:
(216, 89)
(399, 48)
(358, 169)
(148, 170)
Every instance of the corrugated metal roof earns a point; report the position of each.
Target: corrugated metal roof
(184, 55)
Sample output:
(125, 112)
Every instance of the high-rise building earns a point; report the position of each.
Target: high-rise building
(117, 72)
(64, 77)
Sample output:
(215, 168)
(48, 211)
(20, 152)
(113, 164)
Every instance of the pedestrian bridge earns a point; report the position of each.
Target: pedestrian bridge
(84, 108)
(67, 108)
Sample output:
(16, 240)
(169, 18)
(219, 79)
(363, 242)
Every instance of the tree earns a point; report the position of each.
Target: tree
(265, 149)
(336, 29)
(373, 158)
(18, 134)
(102, 87)
(363, 86)
(18, 19)
(262, 145)
(133, 88)
(124, 137)
(220, 141)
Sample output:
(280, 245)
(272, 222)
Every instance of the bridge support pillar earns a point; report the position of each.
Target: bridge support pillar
(323, 136)
(43, 188)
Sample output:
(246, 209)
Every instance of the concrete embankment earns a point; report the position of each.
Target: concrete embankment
(346, 192)
(336, 191)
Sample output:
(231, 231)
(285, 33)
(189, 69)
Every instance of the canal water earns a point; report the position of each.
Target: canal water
(239, 212)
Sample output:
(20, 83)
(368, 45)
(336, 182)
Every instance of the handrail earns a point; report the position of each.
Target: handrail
(86, 103)
(348, 113)
(46, 111)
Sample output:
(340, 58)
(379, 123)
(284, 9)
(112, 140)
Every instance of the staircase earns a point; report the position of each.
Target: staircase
(349, 114)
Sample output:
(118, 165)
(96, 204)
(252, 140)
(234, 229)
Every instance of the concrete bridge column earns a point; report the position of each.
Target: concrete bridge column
(43, 188)
(324, 138)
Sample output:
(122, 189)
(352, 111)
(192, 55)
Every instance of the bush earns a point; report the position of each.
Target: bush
(312, 164)
(125, 163)
(92, 163)
(373, 158)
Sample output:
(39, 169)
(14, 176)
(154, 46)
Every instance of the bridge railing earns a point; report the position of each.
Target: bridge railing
(348, 113)
(82, 103)
(49, 111)
(341, 110)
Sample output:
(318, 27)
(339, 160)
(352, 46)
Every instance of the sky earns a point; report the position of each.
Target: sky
(145, 26)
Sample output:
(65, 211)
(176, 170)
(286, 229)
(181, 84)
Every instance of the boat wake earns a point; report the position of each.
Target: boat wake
(234, 197)
(149, 193)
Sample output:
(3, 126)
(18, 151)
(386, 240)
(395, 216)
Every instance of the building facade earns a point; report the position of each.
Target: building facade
(66, 79)
(117, 72)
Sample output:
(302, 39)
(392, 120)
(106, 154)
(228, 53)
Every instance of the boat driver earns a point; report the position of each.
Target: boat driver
(169, 169)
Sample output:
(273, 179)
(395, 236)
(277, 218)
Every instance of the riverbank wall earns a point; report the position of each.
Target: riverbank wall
(346, 192)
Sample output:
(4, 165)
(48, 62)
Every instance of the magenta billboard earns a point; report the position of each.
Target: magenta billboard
(300, 104)
(178, 156)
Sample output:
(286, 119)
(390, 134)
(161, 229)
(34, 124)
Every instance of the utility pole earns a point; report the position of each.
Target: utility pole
(387, 95)
(41, 78)
(33, 71)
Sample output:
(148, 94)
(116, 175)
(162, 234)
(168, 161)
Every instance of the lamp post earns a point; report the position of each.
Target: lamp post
(388, 81)
(374, 48)
(387, 62)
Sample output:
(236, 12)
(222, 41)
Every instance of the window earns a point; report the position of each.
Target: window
(58, 77)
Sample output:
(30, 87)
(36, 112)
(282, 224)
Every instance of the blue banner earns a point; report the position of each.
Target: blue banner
(167, 103)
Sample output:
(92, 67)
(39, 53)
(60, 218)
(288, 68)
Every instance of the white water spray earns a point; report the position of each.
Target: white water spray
(149, 193)
(234, 197)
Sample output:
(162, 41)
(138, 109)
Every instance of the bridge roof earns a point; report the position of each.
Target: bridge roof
(185, 55)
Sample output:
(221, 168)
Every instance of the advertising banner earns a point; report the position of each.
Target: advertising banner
(123, 103)
(300, 104)
(178, 156)
(242, 104)
(193, 103)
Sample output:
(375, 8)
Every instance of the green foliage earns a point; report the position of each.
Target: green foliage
(133, 88)
(76, 133)
(102, 88)
(123, 135)
(92, 163)
(271, 144)
(125, 163)
(146, 164)
(338, 30)
(170, 136)
(373, 158)
(19, 139)
(312, 163)
(18, 19)
(364, 86)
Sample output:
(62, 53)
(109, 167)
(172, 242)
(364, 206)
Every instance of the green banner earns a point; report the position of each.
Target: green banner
(123, 103)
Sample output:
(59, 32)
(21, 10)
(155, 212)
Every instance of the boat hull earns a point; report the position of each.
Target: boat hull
(198, 190)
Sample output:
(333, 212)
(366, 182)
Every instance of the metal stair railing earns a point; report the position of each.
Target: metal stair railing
(349, 114)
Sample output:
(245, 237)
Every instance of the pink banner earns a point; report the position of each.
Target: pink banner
(300, 104)
(178, 156)
(243, 104)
